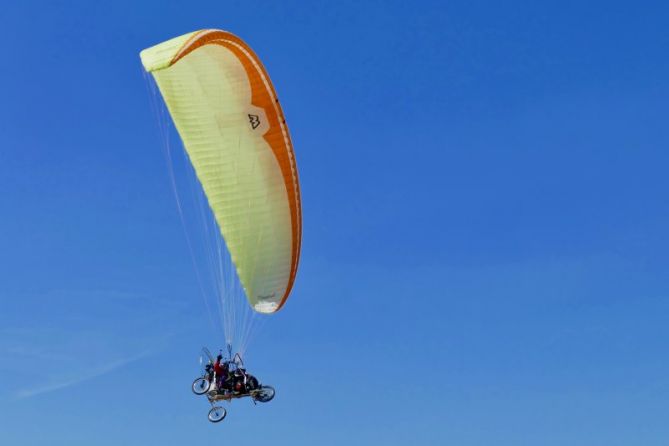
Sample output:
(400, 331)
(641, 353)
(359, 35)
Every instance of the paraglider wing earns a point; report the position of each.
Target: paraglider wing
(226, 111)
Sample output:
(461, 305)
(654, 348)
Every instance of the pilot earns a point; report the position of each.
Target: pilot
(221, 369)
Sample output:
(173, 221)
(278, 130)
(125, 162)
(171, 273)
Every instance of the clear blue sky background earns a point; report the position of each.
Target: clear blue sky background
(485, 227)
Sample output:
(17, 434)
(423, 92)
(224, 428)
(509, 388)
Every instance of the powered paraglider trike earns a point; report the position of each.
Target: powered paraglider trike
(225, 380)
(244, 190)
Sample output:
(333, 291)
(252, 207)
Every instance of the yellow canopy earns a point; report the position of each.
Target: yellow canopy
(226, 111)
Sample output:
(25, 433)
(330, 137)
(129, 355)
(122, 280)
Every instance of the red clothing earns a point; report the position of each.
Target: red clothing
(221, 373)
(220, 370)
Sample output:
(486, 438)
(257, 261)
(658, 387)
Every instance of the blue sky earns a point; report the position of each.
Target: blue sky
(485, 213)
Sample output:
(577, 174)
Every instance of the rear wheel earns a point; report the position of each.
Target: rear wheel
(265, 394)
(200, 386)
(217, 414)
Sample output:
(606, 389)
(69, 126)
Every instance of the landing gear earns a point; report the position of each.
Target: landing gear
(216, 414)
(265, 394)
(201, 386)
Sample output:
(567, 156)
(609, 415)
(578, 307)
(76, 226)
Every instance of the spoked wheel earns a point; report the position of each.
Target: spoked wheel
(200, 386)
(265, 394)
(217, 414)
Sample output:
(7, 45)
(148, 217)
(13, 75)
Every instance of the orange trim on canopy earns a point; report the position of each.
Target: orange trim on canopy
(278, 138)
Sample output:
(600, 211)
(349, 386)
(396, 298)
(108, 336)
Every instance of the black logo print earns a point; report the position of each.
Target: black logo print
(254, 120)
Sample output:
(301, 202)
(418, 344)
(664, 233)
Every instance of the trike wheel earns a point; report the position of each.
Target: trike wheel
(217, 414)
(265, 394)
(200, 386)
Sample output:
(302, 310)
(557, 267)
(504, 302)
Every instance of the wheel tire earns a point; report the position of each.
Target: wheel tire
(265, 395)
(201, 386)
(217, 414)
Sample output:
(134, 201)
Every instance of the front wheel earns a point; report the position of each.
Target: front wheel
(217, 414)
(200, 386)
(265, 394)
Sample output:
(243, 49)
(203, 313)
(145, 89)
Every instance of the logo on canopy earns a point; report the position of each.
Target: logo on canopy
(254, 120)
(257, 118)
